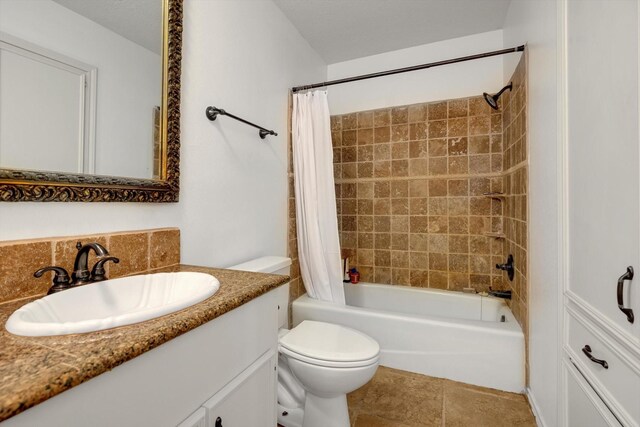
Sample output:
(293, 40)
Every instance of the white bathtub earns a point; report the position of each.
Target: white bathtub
(438, 333)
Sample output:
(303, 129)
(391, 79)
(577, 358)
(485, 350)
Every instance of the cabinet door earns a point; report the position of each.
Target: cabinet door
(248, 400)
(603, 157)
(197, 419)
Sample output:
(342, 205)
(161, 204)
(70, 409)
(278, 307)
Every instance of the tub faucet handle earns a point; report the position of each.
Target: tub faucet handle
(508, 267)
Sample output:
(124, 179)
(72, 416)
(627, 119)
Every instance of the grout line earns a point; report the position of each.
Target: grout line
(420, 177)
(52, 244)
(444, 406)
(516, 168)
(107, 239)
(149, 250)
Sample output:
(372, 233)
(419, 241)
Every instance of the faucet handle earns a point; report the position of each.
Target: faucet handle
(97, 272)
(508, 267)
(61, 279)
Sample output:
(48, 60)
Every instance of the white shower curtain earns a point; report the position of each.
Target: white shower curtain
(316, 215)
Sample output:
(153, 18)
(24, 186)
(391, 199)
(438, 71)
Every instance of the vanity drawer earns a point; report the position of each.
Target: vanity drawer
(618, 384)
(584, 407)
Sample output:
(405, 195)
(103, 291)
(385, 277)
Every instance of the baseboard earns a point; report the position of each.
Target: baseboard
(535, 408)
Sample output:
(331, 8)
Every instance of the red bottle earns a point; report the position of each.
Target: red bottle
(354, 276)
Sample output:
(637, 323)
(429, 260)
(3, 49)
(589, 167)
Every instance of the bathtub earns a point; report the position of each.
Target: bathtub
(454, 335)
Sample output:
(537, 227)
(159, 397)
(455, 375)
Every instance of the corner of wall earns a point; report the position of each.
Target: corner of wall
(534, 23)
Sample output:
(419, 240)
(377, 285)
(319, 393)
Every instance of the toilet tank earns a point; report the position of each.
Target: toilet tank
(272, 265)
(266, 264)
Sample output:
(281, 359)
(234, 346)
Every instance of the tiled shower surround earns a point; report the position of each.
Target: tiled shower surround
(514, 107)
(412, 184)
(433, 195)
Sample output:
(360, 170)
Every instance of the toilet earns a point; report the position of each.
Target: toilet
(318, 362)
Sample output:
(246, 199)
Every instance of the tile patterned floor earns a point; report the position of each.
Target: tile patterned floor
(396, 398)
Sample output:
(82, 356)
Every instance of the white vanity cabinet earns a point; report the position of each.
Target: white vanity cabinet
(601, 366)
(225, 368)
(197, 419)
(248, 400)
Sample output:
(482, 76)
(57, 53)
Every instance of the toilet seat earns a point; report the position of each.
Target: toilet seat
(328, 363)
(329, 345)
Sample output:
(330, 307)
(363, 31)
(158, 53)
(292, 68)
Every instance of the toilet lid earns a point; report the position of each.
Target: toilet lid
(329, 342)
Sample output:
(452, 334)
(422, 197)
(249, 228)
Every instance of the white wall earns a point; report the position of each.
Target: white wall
(129, 79)
(534, 22)
(433, 84)
(240, 56)
(27, 220)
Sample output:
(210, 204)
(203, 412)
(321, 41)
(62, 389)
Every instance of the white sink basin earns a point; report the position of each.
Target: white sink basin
(111, 303)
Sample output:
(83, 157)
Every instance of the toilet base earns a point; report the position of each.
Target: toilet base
(318, 412)
(292, 419)
(325, 411)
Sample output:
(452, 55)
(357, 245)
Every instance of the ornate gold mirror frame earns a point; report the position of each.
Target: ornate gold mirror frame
(24, 185)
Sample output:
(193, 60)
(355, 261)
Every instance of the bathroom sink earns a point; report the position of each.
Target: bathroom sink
(111, 303)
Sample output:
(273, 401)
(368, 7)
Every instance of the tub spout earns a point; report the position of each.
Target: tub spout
(500, 294)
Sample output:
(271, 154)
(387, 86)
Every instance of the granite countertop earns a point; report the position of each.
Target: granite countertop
(33, 369)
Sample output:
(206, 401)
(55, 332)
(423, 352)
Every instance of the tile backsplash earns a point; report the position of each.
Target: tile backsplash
(138, 251)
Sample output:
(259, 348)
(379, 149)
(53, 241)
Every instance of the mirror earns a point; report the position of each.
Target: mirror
(89, 99)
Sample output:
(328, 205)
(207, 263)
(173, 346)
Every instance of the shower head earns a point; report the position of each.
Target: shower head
(492, 100)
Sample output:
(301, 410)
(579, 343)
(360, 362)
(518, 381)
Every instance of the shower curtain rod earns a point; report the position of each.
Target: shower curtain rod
(412, 68)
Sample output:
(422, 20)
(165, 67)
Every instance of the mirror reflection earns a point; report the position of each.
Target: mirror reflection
(81, 86)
